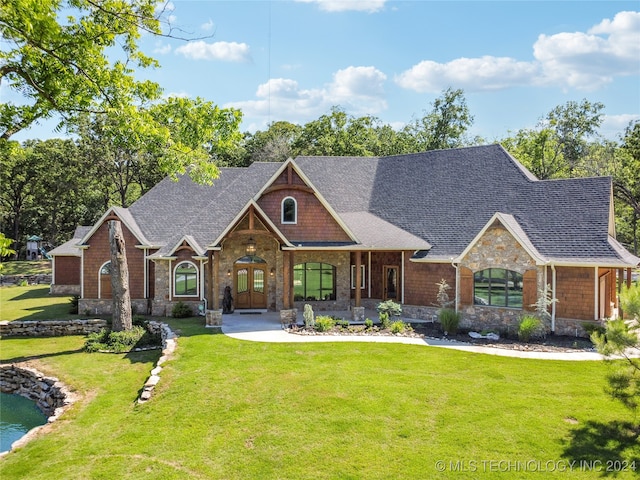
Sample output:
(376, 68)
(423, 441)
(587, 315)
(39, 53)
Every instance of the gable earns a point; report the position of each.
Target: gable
(315, 222)
(501, 244)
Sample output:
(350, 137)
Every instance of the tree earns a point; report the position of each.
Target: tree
(273, 145)
(57, 57)
(17, 168)
(63, 58)
(538, 150)
(121, 314)
(627, 182)
(5, 248)
(572, 124)
(621, 344)
(445, 125)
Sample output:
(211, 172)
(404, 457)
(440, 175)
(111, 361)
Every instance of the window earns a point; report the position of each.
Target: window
(353, 277)
(497, 287)
(185, 280)
(314, 281)
(289, 210)
(104, 283)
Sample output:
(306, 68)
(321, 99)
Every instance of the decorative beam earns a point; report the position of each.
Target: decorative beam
(299, 188)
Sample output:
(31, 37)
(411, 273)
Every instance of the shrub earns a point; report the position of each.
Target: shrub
(368, 324)
(449, 320)
(384, 320)
(181, 310)
(591, 328)
(398, 327)
(120, 342)
(391, 308)
(342, 323)
(73, 304)
(324, 323)
(139, 320)
(309, 320)
(529, 327)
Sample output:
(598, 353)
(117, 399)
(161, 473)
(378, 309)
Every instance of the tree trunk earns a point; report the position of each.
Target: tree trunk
(119, 279)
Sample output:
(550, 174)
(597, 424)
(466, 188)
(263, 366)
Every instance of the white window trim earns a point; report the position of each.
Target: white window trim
(295, 211)
(362, 277)
(173, 276)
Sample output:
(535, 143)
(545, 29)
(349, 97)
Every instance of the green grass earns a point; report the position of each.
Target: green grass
(26, 268)
(32, 303)
(230, 409)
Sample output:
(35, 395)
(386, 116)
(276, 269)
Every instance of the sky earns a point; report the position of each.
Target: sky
(293, 60)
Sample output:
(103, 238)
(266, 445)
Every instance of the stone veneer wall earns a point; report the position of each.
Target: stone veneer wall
(50, 328)
(342, 262)
(65, 290)
(497, 248)
(103, 306)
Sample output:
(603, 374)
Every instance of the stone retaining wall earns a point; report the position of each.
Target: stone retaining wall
(168, 347)
(50, 395)
(31, 279)
(50, 328)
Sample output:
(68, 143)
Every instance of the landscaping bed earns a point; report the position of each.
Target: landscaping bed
(550, 343)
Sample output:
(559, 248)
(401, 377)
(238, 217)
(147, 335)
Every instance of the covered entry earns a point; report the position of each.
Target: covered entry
(250, 274)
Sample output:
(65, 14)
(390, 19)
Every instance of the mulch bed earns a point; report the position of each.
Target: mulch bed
(552, 343)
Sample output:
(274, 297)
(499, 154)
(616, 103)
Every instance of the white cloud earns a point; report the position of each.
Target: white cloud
(589, 60)
(370, 6)
(485, 73)
(613, 125)
(582, 60)
(359, 90)
(161, 49)
(207, 26)
(224, 51)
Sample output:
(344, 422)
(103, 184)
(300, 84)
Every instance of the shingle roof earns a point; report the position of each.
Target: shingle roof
(446, 197)
(435, 201)
(70, 247)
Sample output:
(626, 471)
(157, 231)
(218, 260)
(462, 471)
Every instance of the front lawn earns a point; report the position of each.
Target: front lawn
(32, 302)
(231, 409)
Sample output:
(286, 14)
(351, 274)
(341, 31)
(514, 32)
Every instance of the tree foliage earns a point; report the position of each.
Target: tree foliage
(621, 345)
(445, 126)
(57, 58)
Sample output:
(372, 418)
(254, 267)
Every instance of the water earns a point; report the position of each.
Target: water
(18, 415)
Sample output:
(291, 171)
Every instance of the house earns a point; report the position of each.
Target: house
(344, 233)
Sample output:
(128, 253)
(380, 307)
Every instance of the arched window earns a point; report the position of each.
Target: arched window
(314, 281)
(104, 280)
(497, 287)
(289, 210)
(185, 280)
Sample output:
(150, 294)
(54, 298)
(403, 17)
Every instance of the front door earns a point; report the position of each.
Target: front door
(390, 283)
(250, 281)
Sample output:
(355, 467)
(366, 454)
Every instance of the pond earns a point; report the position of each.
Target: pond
(18, 415)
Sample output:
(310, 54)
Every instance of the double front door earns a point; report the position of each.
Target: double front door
(251, 285)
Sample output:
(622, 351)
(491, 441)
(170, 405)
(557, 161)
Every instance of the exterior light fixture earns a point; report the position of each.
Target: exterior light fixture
(228, 273)
(272, 272)
(251, 247)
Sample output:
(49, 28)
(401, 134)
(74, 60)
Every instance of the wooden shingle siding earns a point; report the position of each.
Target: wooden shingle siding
(466, 286)
(575, 292)
(67, 271)
(314, 223)
(98, 253)
(529, 289)
(421, 282)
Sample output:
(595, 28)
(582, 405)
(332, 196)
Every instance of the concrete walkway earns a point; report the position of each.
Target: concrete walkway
(266, 327)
